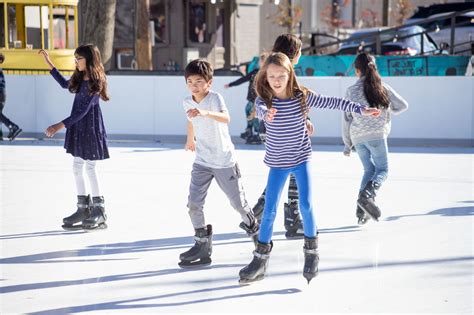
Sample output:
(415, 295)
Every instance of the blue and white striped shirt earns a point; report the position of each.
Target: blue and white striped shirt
(287, 139)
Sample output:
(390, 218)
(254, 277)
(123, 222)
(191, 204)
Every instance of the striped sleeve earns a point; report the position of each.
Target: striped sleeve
(261, 108)
(331, 102)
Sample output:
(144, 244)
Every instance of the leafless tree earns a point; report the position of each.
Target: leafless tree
(97, 26)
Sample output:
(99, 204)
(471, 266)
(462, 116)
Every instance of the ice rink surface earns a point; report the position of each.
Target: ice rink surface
(417, 259)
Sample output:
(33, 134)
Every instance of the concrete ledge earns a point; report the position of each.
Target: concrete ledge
(399, 142)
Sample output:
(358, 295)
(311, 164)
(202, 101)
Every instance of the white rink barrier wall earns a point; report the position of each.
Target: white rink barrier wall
(441, 109)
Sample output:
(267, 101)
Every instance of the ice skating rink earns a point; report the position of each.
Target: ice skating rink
(417, 259)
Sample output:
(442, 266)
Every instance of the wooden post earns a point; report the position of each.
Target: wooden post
(143, 44)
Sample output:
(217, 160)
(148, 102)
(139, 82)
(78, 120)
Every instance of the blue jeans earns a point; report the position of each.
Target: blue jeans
(374, 157)
(276, 180)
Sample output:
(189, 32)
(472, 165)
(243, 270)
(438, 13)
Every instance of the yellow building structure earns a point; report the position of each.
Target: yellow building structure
(31, 25)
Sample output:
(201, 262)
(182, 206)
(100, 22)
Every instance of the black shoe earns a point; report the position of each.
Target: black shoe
(246, 134)
(14, 132)
(255, 139)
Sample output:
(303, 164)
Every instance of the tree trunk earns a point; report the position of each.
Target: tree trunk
(143, 44)
(98, 23)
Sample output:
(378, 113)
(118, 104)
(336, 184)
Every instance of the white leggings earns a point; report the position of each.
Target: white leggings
(78, 169)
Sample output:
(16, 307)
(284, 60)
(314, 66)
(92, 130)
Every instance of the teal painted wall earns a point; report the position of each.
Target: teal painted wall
(387, 65)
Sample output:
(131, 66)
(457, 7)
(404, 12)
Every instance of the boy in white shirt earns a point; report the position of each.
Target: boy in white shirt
(208, 136)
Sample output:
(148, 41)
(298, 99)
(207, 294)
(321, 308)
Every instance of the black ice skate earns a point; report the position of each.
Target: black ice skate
(362, 218)
(254, 139)
(14, 132)
(367, 201)
(292, 217)
(311, 258)
(247, 133)
(96, 221)
(200, 254)
(259, 207)
(83, 211)
(293, 222)
(255, 271)
(252, 229)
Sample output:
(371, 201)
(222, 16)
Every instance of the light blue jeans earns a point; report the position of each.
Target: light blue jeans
(276, 180)
(374, 157)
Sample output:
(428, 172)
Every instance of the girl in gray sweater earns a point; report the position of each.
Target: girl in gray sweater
(368, 134)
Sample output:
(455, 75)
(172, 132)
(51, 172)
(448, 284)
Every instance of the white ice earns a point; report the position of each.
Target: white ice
(417, 259)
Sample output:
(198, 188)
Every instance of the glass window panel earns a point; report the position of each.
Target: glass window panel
(197, 13)
(158, 15)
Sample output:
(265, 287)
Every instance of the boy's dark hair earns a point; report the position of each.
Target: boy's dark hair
(2, 57)
(288, 44)
(199, 67)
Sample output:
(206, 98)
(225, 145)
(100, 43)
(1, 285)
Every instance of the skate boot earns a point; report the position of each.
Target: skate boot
(259, 207)
(367, 201)
(311, 258)
(200, 253)
(255, 271)
(293, 222)
(254, 139)
(247, 133)
(14, 131)
(83, 211)
(253, 229)
(97, 218)
(362, 218)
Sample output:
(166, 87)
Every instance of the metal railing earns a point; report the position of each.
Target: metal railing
(313, 49)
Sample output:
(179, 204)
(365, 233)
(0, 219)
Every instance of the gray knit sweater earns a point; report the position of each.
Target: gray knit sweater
(357, 128)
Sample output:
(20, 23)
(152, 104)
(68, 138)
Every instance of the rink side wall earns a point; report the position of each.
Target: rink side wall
(150, 107)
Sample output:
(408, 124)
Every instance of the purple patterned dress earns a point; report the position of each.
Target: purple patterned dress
(85, 135)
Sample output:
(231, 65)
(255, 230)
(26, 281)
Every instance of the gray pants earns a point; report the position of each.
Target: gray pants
(228, 180)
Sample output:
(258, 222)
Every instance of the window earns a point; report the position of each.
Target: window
(159, 20)
(63, 34)
(197, 22)
(37, 27)
(11, 38)
(219, 27)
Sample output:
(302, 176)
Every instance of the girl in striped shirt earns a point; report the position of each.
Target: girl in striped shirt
(284, 105)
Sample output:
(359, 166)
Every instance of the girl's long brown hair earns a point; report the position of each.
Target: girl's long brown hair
(95, 71)
(376, 95)
(293, 89)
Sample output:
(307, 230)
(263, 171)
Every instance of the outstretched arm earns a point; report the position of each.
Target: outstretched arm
(222, 117)
(54, 72)
(332, 102)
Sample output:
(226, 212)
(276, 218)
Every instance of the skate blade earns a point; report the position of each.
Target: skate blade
(72, 227)
(368, 213)
(245, 282)
(195, 264)
(101, 226)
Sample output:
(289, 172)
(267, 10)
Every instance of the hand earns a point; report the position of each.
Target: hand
(226, 86)
(53, 129)
(190, 146)
(45, 55)
(270, 114)
(197, 112)
(309, 127)
(347, 153)
(369, 111)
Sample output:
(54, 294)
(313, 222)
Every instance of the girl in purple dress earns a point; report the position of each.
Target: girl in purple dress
(85, 136)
